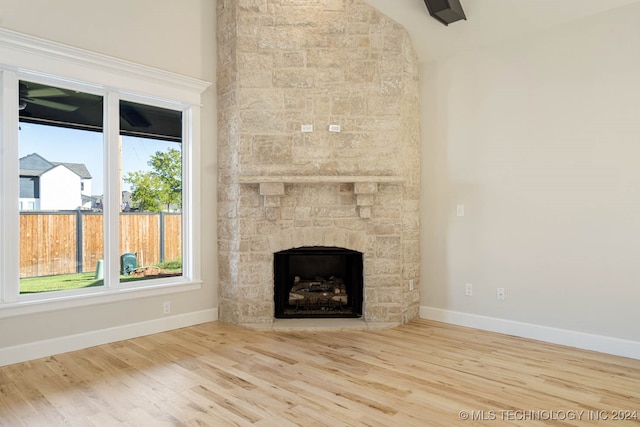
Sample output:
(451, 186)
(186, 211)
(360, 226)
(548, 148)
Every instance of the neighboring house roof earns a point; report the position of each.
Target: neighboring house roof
(79, 168)
(35, 165)
(92, 199)
(31, 172)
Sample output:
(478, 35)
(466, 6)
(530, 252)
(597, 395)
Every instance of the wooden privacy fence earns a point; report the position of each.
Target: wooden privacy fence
(53, 243)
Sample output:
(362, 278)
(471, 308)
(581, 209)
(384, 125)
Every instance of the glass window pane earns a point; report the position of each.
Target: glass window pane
(61, 187)
(151, 217)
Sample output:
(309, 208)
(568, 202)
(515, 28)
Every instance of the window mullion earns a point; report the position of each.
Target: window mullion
(9, 214)
(112, 191)
(190, 216)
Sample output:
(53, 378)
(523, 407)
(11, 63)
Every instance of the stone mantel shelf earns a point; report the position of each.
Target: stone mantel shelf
(364, 187)
(319, 179)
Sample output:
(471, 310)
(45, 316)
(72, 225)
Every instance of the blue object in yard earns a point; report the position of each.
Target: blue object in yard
(128, 263)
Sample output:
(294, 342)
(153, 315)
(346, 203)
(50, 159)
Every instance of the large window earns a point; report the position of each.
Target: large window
(97, 182)
(151, 183)
(62, 189)
(61, 178)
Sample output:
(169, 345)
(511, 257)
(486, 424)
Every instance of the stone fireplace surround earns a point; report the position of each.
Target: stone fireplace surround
(282, 64)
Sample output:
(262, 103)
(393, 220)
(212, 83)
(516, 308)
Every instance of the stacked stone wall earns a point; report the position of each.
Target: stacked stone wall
(285, 63)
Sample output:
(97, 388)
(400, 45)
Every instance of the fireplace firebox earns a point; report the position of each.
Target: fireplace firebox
(317, 281)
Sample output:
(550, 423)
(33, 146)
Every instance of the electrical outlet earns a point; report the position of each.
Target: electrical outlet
(166, 307)
(460, 210)
(410, 284)
(500, 294)
(468, 290)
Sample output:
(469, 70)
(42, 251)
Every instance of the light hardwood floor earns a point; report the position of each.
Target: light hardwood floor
(422, 373)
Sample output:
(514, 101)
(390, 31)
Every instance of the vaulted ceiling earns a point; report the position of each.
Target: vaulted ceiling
(488, 21)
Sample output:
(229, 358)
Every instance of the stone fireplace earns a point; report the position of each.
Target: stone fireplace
(283, 64)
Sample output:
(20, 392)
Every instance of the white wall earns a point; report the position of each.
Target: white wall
(60, 189)
(86, 187)
(177, 36)
(539, 138)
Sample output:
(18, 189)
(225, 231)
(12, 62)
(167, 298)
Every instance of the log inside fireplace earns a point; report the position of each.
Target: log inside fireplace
(317, 281)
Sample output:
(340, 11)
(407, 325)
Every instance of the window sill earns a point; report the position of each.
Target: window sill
(103, 296)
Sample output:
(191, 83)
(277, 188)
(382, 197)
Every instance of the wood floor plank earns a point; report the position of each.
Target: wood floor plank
(420, 374)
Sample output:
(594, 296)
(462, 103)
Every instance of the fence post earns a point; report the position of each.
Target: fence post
(161, 237)
(78, 241)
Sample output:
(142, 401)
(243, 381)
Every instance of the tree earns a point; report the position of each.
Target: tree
(158, 189)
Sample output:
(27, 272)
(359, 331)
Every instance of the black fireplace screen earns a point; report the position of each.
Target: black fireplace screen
(318, 281)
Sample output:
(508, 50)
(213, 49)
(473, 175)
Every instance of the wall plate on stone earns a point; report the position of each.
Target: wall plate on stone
(306, 128)
(334, 128)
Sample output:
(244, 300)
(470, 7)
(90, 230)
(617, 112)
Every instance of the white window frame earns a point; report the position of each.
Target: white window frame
(24, 57)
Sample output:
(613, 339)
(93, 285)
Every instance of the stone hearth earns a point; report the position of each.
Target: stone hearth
(282, 64)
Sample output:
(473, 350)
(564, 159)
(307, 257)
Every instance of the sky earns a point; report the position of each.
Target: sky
(57, 144)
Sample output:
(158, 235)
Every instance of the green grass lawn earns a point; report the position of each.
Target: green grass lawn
(59, 283)
(66, 281)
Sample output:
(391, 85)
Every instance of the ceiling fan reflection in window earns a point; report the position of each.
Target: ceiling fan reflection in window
(55, 106)
(40, 95)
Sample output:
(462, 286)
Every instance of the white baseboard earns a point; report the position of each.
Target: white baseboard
(603, 344)
(600, 343)
(35, 350)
